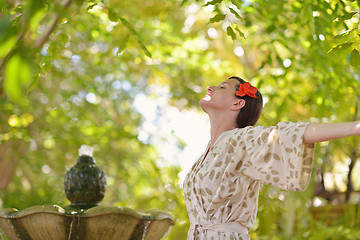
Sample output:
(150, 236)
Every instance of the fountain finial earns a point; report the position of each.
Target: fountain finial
(85, 183)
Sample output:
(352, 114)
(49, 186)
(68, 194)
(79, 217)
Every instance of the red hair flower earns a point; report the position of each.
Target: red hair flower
(246, 89)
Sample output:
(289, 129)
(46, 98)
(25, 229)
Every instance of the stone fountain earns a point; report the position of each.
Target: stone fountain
(84, 218)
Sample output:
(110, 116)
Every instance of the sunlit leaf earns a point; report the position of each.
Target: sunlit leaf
(355, 58)
(7, 36)
(112, 15)
(237, 3)
(306, 13)
(3, 6)
(230, 32)
(129, 25)
(346, 36)
(34, 83)
(123, 43)
(147, 52)
(217, 18)
(79, 2)
(6, 45)
(91, 6)
(235, 13)
(64, 38)
(133, 31)
(34, 7)
(341, 47)
(18, 75)
(240, 32)
(346, 16)
(36, 19)
(213, 2)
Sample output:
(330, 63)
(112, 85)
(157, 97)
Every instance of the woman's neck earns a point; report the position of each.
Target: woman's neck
(218, 126)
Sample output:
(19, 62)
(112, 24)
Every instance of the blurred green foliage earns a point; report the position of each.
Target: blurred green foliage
(71, 70)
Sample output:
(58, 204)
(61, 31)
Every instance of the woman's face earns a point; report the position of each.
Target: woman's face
(220, 97)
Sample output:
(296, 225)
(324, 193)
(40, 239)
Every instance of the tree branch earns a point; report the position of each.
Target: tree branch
(42, 40)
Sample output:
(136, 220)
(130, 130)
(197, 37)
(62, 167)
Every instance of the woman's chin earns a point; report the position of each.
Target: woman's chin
(203, 104)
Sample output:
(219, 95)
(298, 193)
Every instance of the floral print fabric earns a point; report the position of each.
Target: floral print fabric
(221, 190)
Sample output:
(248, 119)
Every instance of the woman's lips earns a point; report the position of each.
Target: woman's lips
(207, 97)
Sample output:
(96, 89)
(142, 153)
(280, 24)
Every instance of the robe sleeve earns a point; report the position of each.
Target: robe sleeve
(277, 155)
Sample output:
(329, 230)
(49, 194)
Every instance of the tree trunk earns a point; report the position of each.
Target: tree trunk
(7, 162)
(349, 186)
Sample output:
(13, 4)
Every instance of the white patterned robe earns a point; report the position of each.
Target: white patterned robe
(221, 191)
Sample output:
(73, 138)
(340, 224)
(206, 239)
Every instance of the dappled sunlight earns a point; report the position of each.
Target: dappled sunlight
(179, 136)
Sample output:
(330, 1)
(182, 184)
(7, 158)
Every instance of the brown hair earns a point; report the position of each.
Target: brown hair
(250, 113)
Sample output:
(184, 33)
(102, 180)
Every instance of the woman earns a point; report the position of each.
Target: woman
(221, 190)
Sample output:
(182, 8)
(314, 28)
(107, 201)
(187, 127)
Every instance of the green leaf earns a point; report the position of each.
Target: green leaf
(237, 3)
(341, 47)
(18, 75)
(131, 28)
(346, 36)
(91, 6)
(79, 2)
(112, 15)
(34, 83)
(34, 7)
(355, 58)
(123, 43)
(346, 16)
(128, 25)
(8, 37)
(4, 6)
(235, 13)
(306, 13)
(230, 32)
(147, 52)
(64, 38)
(213, 2)
(6, 45)
(36, 19)
(183, 2)
(240, 32)
(217, 18)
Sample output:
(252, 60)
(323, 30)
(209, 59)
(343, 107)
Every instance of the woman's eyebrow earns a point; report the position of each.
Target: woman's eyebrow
(224, 83)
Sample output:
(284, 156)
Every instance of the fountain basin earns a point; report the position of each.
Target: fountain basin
(99, 222)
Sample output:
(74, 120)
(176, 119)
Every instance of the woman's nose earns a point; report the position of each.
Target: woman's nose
(210, 89)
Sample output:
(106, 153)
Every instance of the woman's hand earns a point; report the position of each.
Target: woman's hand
(357, 128)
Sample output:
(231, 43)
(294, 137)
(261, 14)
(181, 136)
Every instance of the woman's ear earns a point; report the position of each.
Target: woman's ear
(238, 104)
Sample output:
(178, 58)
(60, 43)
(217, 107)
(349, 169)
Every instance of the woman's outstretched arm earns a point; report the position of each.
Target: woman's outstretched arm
(320, 132)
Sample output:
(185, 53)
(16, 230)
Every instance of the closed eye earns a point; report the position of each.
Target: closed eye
(222, 85)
